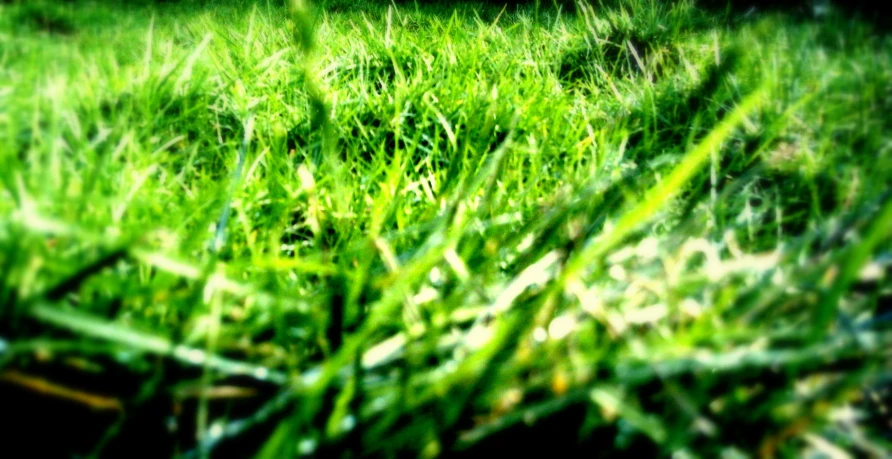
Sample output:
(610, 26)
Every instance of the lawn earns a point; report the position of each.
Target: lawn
(367, 228)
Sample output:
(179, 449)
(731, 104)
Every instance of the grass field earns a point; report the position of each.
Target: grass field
(408, 229)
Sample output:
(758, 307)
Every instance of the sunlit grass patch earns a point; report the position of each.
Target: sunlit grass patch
(379, 228)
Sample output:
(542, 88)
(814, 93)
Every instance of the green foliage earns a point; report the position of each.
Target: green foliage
(415, 228)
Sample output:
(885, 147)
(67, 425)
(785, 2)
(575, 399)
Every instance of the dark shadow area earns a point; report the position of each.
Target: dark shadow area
(113, 410)
(863, 10)
(62, 18)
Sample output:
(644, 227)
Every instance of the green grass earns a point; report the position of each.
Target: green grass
(235, 228)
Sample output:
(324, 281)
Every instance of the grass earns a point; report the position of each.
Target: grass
(234, 228)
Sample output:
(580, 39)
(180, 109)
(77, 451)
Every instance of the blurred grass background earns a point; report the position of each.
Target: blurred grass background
(361, 228)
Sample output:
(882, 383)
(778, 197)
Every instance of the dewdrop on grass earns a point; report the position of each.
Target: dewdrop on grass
(540, 335)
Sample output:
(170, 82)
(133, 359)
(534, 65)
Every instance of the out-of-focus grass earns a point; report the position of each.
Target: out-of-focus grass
(407, 228)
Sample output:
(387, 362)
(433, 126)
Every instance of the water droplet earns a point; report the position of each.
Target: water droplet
(215, 431)
(306, 446)
(540, 335)
(348, 423)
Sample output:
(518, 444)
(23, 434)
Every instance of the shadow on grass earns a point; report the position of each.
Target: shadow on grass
(69, 17)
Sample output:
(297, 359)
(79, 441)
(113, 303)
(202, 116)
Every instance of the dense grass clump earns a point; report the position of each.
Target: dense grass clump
(382, 229)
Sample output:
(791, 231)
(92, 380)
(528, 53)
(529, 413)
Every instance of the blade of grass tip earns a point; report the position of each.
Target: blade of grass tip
(220, 235)
(656, 197)
(189, 63)
(852, 262)
(249, 36)
(185, 63)
(147, 59)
